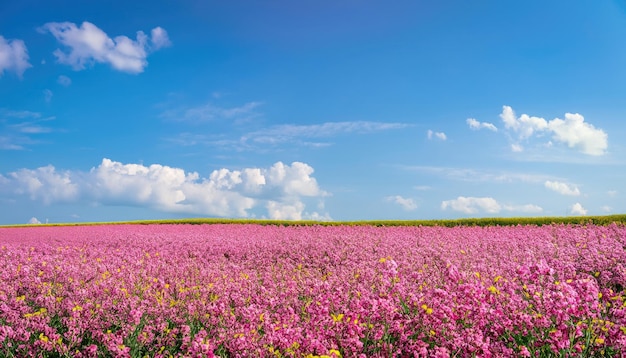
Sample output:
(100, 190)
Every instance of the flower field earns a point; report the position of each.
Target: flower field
(312, 291)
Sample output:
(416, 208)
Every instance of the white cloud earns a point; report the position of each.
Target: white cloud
(407, 204)
(33, 221)
(159, 38)
(476, 125)
(472, 205)
(13, 56)
(524, 125)
(612, 193)
(44, 184)
(572, 131)
(517, 148)
(88, 44)
(562, 188)
(606, 208)
(577, 134)
(577, 209)
(438, 135)
(64, 80)
(294, 180)
(285, 211)
(280, 188)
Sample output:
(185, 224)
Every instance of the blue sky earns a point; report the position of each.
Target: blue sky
(326, 110)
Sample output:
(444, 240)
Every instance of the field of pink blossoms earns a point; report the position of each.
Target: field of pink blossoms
(312, 291)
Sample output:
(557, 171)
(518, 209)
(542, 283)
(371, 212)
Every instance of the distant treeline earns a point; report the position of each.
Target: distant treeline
(495, 221)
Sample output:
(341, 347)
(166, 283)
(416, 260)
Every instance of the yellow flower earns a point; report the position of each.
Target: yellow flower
(427, 309)
(599, 341)
(334, 353)
(337, 317)
(43, 338)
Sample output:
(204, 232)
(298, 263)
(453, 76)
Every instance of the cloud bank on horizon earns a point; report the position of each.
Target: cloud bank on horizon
(226, 193)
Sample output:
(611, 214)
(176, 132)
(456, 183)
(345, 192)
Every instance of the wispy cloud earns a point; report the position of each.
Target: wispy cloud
(473, 205)
(64, 80)
(13, 57)
(313, 135)
(483, 175)
(292, 132)
(88, 44)
(47, 95)
(210, 112)
(18, 127)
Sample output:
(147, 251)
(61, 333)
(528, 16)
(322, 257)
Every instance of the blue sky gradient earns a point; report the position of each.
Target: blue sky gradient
(326, 110)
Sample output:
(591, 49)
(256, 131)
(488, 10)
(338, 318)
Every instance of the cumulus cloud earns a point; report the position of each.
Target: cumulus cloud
(88, 44)
(562, 188)
(580, 135)
(473, 205)
(285, 211)
(13, 56)
(525, 125)
(407, 204)
(281, 188)
(572, 131)
(476, 125)
(577, 209)
(44, 184)
(33, 221)
(439, 135)
(159, 38)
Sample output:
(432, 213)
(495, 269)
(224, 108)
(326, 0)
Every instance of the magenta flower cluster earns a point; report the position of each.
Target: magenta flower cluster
(312, 291)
